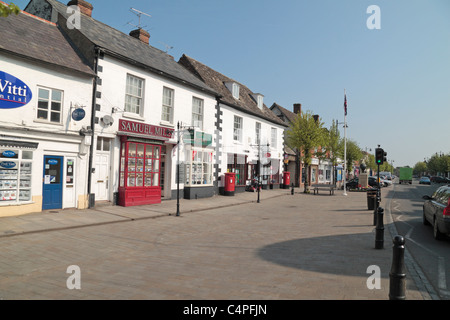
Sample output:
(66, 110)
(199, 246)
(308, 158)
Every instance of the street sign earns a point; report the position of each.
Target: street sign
(78, 114)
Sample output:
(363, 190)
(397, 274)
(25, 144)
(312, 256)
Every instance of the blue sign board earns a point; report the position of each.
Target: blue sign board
(7, 164)
(52, 161)
(8, 154)
(78, 114)
(14, 93)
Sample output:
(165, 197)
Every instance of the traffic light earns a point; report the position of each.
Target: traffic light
(380, 156)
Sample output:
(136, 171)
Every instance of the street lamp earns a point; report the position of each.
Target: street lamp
(178, 163)
(258, 187)
(345, 152)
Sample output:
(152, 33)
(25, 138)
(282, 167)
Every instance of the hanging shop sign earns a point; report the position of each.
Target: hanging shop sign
(78, 114)
(197, 138)
(144, 129)
(14, 93)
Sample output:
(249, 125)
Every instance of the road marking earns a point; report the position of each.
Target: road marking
(442, 281)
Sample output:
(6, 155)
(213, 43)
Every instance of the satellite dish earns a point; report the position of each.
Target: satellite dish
(107, 120)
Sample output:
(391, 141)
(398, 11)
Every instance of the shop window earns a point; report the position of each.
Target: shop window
(199, 168)
(15, 175)
(237, 164)
(140, 165)
(49, 105)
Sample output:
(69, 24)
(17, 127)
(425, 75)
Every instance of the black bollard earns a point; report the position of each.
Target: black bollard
(292, 190)
(397, 276)
(379, 235)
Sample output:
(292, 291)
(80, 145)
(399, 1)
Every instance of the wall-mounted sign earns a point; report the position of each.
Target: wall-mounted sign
(78, 114)
(9, 154)
(197, 138)
(14, 93)
(7, 164)
(145, 129)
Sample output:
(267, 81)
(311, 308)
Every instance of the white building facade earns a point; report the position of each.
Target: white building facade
(44, 126)
(249, 137)
(141, 96)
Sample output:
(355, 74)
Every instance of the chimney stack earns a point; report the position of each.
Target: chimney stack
(297, 108)
(141, 34)
(85, 7)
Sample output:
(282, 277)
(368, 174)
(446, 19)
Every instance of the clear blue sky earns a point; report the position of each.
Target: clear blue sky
(397, 78)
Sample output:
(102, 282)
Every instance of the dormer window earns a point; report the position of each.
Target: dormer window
(234, 89)
(259, 98)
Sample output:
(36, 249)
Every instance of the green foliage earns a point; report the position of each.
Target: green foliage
(306, 134)
(332, 142)
(6, 10)
(354, 153)
(420, 168)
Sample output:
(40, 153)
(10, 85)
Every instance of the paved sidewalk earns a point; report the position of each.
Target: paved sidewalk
(105, 213)
(330, 242)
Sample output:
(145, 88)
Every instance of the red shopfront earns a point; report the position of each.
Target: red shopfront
(140, 162)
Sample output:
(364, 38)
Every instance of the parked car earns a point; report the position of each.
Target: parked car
(354, 183)
(436, 212)
(424, 180)
(438, 180)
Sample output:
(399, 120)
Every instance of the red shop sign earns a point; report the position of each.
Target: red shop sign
(145, 129)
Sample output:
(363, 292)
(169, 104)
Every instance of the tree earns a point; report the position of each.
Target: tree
(332, 144)
(6, 10)
(305, 134)
(420, 168)
(354, 153)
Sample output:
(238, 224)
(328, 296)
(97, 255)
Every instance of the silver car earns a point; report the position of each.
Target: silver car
(436, 212)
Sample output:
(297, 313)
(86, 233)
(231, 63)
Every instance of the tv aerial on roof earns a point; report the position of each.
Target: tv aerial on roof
(139, 14)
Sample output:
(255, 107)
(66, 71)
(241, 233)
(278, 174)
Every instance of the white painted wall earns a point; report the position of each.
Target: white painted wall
(113, 90)
(248, 144)
(54, 139)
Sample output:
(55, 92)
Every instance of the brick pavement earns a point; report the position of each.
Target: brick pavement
(286, 247)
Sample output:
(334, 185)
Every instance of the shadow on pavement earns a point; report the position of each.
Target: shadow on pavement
(347, 255)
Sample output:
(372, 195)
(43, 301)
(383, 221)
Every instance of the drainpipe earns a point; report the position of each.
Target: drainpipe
(91, 148)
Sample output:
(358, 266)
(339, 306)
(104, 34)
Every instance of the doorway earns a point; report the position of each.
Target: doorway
(52, 183)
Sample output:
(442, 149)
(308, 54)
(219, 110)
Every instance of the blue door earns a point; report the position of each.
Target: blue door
(53, 182)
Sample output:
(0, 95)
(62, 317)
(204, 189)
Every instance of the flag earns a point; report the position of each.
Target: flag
(345, 104)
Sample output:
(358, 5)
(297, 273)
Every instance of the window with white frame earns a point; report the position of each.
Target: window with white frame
(199, 167)
(134, 94)
(258, 132)
(237, 131)
(167, 105)
(49, 105)
(197, 113)
(235, 91)
(273, 140)
(260, 100)
(15, 175)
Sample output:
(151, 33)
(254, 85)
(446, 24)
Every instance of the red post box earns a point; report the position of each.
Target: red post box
(230, 181)
(286, 179)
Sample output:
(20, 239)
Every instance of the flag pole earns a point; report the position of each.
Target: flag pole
(345, 142)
